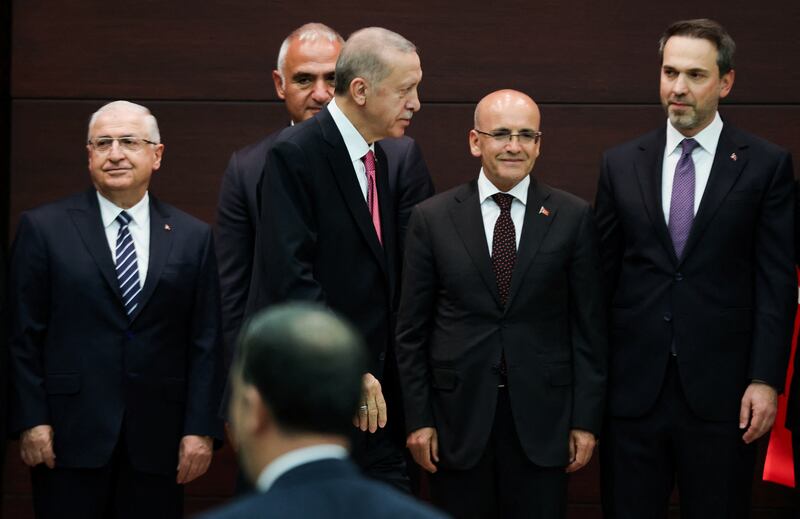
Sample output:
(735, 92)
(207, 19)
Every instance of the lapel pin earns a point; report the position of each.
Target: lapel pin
(543, 210)
(167, 227)
(733, 157)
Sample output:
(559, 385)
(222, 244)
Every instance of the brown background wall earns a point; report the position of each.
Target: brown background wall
(204, 70)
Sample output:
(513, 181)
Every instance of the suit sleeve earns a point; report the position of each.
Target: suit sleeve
(235, 238)
(205, 366)
(775, 280)
(29, 308)
(288, 230)
(609, 231)
(588, 329)
(414, 185)
(414, 323)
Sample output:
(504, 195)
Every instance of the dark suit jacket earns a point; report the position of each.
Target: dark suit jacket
(78, 362)
(452, 326)
(238, 215)
(316, 239)
(727, 304)
(793, 406)
(326, 489)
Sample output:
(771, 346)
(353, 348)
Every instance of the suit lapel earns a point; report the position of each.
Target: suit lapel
(468, 221)
(534, 229)
(345, 175)
(724, 173)
(160, 246)
(649, 165)
(89, 223)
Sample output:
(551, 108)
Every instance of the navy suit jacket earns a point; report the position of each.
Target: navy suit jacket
(238, 216)
(80, 364)
(452, 326)
(327, 489)
(727, 304)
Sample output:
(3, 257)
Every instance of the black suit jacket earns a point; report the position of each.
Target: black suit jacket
(238, 215)
(452, 326)
(326, 489)
(727, 304)
(81, 365)
(793, 405)
(316, 239)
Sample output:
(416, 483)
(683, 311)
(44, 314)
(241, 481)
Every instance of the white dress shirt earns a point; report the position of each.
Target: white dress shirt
(702, 156)
(139, 227)
(286, 462)
(491, 211)
(357, 147)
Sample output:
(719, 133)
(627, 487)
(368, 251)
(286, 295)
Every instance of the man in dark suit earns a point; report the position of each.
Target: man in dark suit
(328, 227)
(3, 369)
(292, 435)
(501, 331)
(304, 80)
(696, 223)
(115, 337)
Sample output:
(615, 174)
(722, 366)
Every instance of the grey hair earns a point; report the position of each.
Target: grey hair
(309, 32)
(149, 119)
(363, 55)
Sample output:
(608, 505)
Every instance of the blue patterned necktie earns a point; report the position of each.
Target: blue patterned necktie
(127, 267)
(681, 211)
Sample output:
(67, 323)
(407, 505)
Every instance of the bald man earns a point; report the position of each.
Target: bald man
(501, 337)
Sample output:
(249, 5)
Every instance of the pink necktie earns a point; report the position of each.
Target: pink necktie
(372, 193)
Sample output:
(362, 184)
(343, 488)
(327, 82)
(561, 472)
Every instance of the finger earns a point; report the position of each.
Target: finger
(193, 472)
(48, 456)
(423, 458)
(572, 448)
(372, 414)
(383, 414)
(435, 448)
(183, 467)
(363, 418)
(744, 412)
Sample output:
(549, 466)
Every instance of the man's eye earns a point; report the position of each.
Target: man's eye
(500, 135)
(128, 141)
(103, 143)
(303, 81)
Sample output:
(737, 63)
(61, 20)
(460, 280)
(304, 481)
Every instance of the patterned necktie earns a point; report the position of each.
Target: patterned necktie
(372, 193)
(504, 246)
(127, 268)
(681, 211)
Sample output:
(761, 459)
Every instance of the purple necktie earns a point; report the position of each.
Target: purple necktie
(681, 211)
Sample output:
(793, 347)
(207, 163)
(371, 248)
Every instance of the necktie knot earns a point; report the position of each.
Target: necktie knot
(688, 146)
(123, 218)
(369, 162)
(503, 200)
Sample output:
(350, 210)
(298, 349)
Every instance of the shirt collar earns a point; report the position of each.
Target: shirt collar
(357, 147)
(109, 210)
(487, 189)
(286, 462)
(707, 138)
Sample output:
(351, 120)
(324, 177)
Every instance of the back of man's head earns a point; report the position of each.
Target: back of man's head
(306, 364)
(363, 55)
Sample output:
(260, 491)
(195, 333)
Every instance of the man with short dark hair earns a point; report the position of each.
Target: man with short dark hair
(304, 80)
(116, 361)
(696, 223)
(329, 227)
(292, 435)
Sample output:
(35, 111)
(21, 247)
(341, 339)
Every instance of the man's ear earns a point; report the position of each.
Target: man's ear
(257, 416)
(359, 90)
(280, 86)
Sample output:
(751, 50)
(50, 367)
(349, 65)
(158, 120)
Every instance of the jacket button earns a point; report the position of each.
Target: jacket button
(668, 317)
(678, 276)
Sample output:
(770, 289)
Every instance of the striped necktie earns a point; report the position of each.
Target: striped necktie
(127, 267)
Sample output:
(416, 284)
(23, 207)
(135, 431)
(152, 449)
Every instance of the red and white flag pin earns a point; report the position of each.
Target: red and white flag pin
(167, 227)
(545, 211)
(734, 157)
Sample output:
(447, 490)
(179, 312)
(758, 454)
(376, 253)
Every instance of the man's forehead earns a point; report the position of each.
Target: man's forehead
(119, 120)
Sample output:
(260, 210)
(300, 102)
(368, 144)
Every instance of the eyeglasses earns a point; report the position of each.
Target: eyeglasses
(503, 136)
(133, 144)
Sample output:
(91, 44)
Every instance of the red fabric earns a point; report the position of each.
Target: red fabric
(779, 465)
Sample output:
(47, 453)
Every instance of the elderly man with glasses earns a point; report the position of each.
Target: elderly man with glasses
(501, 340)
(116, 361)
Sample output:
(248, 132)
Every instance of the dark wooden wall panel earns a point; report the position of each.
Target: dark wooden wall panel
(204, 69)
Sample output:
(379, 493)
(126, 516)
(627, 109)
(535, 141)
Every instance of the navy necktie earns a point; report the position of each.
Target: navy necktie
(127, 267)
(681, 211)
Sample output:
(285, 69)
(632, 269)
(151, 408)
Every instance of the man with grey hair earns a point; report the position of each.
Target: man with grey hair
(304, 80)
(116, 362)
(329, 229)
(293, 440)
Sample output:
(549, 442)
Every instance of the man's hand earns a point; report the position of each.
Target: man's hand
(759, 405)
(424, 446)
(194, 457)
(372, 411)
(581, 447)
(36, 446)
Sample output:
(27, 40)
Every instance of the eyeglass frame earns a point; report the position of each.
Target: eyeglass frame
(91, 142)
(507, 137)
